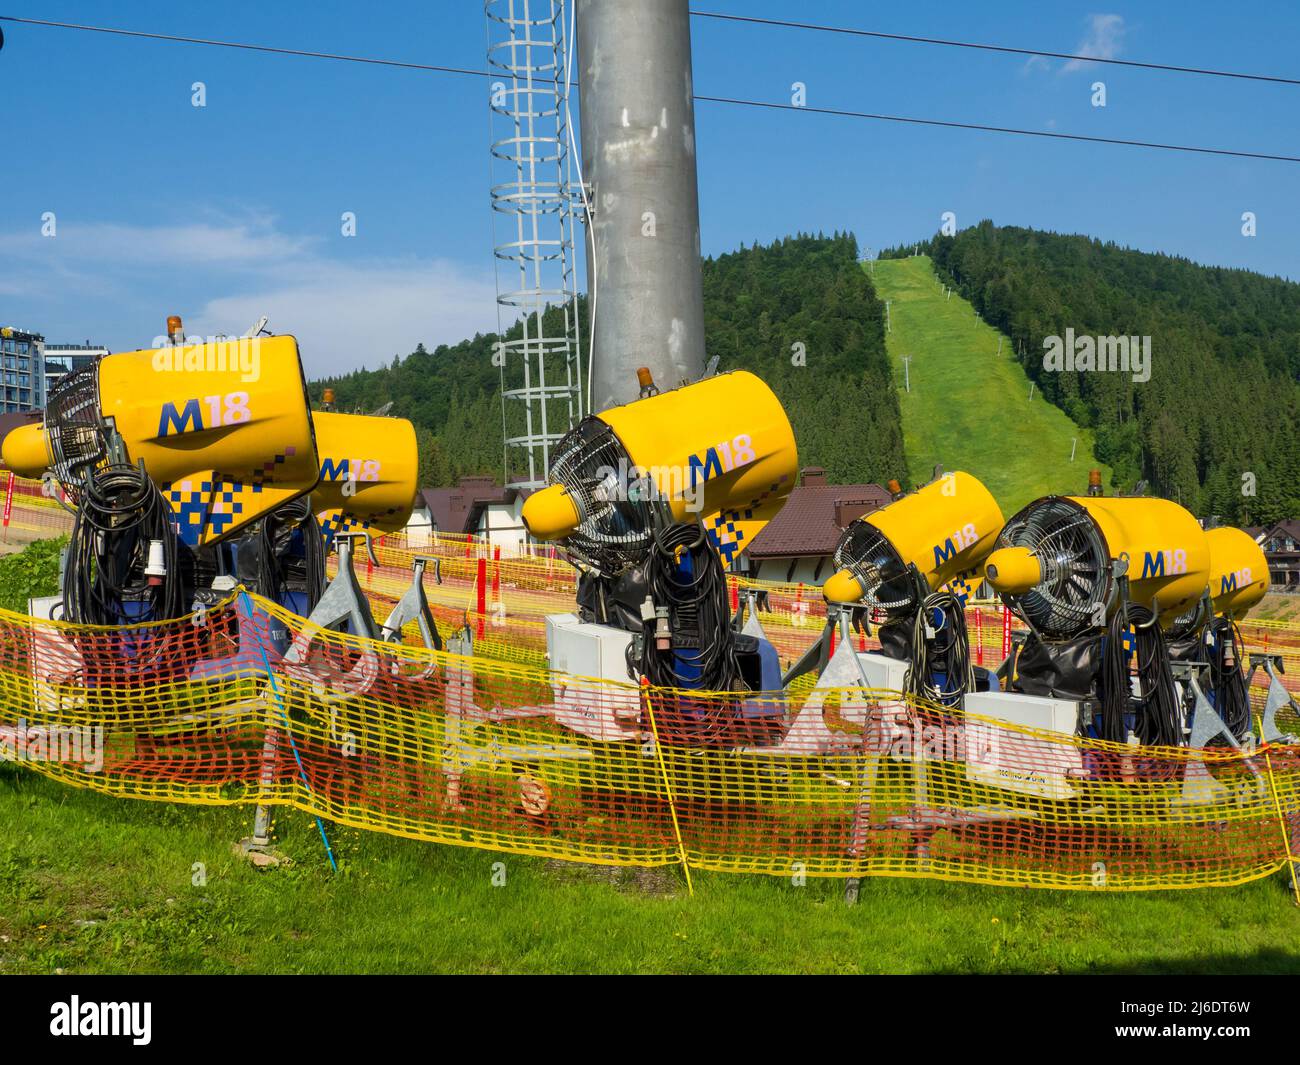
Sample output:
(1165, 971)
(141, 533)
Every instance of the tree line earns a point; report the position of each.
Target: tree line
(799, 312)
(1215, 426)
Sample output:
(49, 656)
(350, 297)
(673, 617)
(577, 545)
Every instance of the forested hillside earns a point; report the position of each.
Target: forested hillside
(1021, 446)
(799, 312)
(802, 314)
(1217, 426)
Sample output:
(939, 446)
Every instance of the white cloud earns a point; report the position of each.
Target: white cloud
(350, 315)
(116, 282)
(233, 243)
(1104, 39)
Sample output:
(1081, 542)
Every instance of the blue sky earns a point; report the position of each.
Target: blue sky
(230, 211)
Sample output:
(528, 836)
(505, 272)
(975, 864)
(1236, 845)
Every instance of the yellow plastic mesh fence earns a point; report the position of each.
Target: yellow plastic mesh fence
(505, 590)
(505, 599)
(32, 510)
(248, 703)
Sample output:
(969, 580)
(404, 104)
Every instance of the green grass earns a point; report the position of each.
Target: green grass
(91, 884)
(969, 408)
(31, 572)
(1278, 606)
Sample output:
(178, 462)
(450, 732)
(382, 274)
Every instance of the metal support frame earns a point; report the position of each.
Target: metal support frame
(1199, 786)
(818, 656)
(1278, 697)
(343, 601)
(534, 195)
(414, 606)
(745, 620)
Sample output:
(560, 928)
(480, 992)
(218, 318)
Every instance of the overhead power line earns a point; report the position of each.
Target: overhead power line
(727, 100)
(172, 38)
(911, 39)
(998, 129)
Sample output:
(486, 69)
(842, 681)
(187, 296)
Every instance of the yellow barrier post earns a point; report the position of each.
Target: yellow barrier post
(1283, 825)
(668, 788)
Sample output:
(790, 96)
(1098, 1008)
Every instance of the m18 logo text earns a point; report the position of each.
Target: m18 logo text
(722, 458)
(349, 469)
(1164, 563)
(958, 541)
(210, 412)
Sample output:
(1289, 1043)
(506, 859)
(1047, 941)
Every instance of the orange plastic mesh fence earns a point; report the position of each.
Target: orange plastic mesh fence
(507, 599)
(508, 588)
(30, 510)
(490, 752)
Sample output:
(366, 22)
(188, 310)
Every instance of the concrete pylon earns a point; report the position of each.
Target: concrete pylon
(638, 154)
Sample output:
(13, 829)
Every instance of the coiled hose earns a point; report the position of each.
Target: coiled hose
(1227, 681)
(104, 581)
(685, 574)
(947, 653)
(279, 564)
(1157, 719)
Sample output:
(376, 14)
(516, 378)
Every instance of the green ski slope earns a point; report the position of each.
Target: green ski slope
(968, 407)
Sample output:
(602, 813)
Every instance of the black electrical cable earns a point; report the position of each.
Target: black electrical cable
(1115, 686)
(698, 606)
(984, 128)
(1227, 681)
(1157, 718)
(314, 548)
(851, 31)
(302, 53)
(281, 568)
(270, 566)
(120, 513)
(947, 652)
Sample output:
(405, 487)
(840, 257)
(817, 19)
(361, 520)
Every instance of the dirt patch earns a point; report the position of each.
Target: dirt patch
(659, 881)
(14, 539)
(1278, 607)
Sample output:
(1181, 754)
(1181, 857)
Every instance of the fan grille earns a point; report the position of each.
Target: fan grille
(867, 553)
(76, 432)
(619, 513)
(1075, 587)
